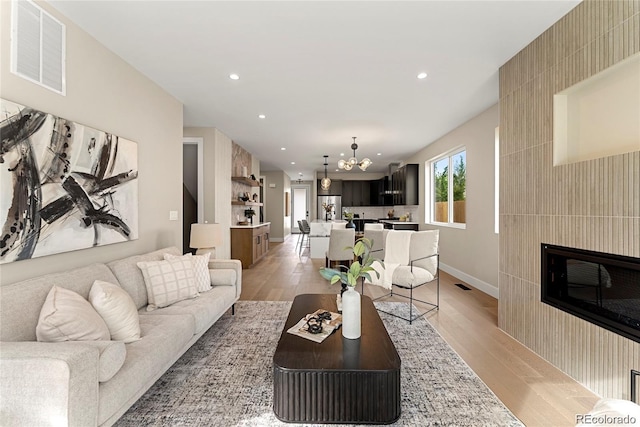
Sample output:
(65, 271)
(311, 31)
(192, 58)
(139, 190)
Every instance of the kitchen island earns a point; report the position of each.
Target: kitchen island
(399, 225)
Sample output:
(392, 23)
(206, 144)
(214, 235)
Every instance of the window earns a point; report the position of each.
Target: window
(448, 188)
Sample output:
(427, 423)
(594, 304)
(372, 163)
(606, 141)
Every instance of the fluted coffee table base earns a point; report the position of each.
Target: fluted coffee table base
(338, 380)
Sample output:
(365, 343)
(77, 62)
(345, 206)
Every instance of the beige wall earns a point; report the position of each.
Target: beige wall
(217, 181)
(105, 93)
(593, 205)
(274, 204)
(470, 254)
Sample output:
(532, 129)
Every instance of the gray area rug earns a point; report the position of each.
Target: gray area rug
(225, 379)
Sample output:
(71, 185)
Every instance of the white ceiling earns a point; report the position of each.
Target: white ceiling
(322, 71)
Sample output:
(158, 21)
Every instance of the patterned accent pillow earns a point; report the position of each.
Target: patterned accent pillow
(168, 281)
(200, 267)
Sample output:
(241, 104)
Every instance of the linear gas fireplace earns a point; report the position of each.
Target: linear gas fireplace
(601, 288)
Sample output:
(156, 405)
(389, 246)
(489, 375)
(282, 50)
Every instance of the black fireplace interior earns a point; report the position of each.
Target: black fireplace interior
(601, 288)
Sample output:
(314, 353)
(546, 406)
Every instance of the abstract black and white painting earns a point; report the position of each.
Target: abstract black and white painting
(63, 186)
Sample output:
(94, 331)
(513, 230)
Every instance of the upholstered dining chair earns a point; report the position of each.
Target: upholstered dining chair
(340, 242)
(377, 238)
(411, 261)
(373, 226)
(339, 225)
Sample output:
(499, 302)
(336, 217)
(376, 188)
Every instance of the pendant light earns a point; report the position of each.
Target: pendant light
(353, 161)
(325, 182)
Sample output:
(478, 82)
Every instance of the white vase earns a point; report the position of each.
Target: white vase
(351, 314)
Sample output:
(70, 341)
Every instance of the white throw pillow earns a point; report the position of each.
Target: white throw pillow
(200, 269)
(168, 281)
(66, 316)
(117, 309)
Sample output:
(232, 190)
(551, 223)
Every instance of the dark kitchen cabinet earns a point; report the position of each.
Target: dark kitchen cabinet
(405, 185)
(383, 193)
(356, 193)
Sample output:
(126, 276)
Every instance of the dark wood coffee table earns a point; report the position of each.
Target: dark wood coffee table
(338, 380)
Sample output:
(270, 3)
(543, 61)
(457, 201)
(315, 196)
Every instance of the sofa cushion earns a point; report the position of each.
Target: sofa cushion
(164, 339)
(117, 309)
(223, 277)
(168, 281)
(404, 275)
(200, 269)
(66, 316)
(21, 302)
(130, 277)
(204, 310)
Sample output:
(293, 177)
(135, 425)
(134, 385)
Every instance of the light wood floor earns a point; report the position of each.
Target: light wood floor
(535, 391)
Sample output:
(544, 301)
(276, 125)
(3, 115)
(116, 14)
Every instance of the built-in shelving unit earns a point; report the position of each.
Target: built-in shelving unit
(245, 180)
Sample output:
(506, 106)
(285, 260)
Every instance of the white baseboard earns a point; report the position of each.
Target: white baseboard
(276, 239)
(485, 287)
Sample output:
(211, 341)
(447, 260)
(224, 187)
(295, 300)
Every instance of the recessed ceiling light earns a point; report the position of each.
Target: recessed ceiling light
(262, 116)
(293, 163)
(422, 75)
(379, 154)
(234, 76)
(283, 148)
(337, 170)
(342, 154)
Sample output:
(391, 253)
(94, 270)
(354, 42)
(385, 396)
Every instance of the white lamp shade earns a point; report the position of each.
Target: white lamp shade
(205, 235)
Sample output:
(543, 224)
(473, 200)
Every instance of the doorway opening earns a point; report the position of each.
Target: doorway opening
(192, 187)
(300, 201)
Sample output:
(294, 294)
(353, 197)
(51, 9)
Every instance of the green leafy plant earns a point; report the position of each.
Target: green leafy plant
(359, 269)
(348, 215)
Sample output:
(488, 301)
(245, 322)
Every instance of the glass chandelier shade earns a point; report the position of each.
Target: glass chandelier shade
(325, 182)
(353, 161)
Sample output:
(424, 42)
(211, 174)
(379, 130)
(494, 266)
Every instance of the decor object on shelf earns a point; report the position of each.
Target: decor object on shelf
(360, 269)
(325, 182)
(353, 161)
(205, 237)
(66, 186)
(249, 213)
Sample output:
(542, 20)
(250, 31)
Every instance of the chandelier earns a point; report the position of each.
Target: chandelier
(353, 161)
(325, 182)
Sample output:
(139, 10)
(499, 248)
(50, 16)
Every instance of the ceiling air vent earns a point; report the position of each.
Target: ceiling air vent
(37, 46)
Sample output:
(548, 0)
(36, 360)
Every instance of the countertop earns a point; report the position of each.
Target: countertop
(395, 221)
(254, 225)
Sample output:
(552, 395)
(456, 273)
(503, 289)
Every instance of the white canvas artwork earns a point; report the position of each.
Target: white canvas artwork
(63, 186)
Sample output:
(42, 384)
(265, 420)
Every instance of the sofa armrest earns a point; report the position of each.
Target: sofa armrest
(232, 264)
(48, 384)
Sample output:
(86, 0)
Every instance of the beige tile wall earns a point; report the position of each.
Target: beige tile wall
(591, 205)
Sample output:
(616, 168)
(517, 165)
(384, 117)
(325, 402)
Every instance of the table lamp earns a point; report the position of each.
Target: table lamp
(205, 237)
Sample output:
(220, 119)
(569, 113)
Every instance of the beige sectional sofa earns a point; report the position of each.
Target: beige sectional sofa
(92, 383)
